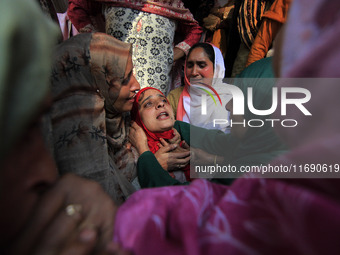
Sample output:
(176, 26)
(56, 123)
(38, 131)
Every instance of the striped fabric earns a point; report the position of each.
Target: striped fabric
(249, 19)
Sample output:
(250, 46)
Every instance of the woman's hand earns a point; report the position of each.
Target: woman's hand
(75, 216)
(176, 139)
(138, 138)
(201, 157)
(172, 156)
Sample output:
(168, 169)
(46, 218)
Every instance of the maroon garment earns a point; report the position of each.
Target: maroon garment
(84, 12)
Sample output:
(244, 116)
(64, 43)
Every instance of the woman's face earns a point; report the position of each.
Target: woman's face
(155, 111)
(127, 93)
(198, 65)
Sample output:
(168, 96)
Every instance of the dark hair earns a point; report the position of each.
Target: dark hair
(199, 8)
(207, 47)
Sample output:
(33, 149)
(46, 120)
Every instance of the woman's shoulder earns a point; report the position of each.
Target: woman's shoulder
(173, 98)
(175, 93)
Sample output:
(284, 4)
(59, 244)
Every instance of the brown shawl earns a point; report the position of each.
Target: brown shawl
(89, 134)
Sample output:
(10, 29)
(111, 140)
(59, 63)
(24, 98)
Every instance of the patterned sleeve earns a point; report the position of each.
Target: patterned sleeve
(191, 32)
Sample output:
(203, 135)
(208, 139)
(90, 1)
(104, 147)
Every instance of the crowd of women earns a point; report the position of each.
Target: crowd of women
(93, 164)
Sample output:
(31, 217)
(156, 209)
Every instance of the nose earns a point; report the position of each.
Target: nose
(134, 84)
(194, 72)
(160, 104)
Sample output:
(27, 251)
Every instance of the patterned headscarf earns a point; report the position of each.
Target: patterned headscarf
(89, 133)
(24, 66)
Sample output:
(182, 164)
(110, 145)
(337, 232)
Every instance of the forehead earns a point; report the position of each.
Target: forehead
(152, 92)
(148, 94)
(198, 54)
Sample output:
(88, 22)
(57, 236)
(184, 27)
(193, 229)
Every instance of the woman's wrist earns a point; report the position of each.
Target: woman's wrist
(142, 148)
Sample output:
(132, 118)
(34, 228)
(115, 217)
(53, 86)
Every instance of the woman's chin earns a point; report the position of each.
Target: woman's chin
(163, 129)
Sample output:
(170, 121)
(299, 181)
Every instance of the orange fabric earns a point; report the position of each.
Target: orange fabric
(272, 22)
(220, 41)
(263, 40)
(180, 108)
(278, 11)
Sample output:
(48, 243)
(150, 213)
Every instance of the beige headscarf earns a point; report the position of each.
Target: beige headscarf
(89, 134)
(26, 40)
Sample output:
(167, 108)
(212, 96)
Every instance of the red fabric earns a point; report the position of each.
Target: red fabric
(174, 9)
(188, 33)
(81, 11)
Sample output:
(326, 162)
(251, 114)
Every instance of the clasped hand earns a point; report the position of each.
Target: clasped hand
(170, 156)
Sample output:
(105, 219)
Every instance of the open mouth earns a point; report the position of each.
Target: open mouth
(163, 115)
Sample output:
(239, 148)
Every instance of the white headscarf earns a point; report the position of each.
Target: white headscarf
(215, 108)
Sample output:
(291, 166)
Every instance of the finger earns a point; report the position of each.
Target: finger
(164, 143)
(99, 209)
(167, 148)
(134, 125)
(176, 138)
(179, 165)
(184, 145)
(178, 158)
(62, 227)
(83, 243)
(48, 207)
(180, 155)
(183, 161)
(160, 145)
(63, 237)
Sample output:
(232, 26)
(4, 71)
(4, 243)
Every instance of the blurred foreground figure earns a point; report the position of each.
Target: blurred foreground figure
(40, 213)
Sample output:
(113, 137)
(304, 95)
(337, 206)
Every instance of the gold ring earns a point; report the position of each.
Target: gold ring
(73, 209)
